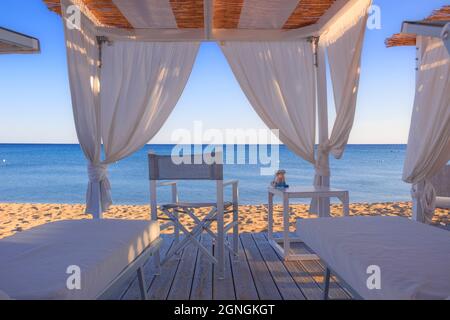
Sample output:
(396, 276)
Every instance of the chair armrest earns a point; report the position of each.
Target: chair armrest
(173, 185)
(166, 184)
(231, 183)
(235, 192)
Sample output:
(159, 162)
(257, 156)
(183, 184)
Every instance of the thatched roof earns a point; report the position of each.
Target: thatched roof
(404, 39)
(190, 13)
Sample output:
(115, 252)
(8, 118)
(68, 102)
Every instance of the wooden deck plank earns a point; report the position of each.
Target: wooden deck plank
(160, 287)
(335, 281)
(317, 272)
(182, 283)
(267, 289)
(131, 292)
(202, 284)
(258, 273)
(309, 287)
(286, 285)
(223, 289)
(243, 280)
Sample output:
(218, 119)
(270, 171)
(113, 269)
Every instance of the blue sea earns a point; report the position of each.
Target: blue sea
(41, 173)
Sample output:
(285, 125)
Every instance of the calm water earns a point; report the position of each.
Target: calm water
(57, 174)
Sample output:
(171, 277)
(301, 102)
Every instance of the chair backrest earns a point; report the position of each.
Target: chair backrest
(441, 182)
(163, 167)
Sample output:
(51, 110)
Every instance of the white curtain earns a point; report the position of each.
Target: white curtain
(125, 106)
(344, 42)
(83, 69)
(278, 80)
(429, 138)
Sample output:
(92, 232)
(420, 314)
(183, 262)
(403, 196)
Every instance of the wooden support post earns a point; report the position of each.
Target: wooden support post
(208, 18)
(418, 214)
(322, 112)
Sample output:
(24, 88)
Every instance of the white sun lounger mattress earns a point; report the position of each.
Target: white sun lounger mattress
(33, 263)
(414, 258)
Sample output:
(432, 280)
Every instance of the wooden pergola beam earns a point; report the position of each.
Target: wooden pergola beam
(226, 34)
(14, 42)
(427, 26)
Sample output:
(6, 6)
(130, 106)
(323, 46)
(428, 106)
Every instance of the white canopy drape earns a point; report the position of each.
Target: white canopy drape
(429, 138)
(344, 42)
(83, 68)
(278, 80)
(139, 86)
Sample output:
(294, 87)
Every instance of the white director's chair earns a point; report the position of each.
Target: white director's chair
(162, 168)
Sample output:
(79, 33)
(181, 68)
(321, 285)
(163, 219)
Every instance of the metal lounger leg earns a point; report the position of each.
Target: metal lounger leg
(326, 285)
(142, 286)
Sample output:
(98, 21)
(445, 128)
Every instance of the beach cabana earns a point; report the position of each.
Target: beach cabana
(280, 46)
(14, 42)
(429, 138)
(129, 61)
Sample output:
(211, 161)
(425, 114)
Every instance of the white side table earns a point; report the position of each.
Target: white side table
(298, 193)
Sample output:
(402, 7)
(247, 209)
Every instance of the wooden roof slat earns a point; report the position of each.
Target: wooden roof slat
(403, 39)
(108, 13)
(400, 39)
(442, 14)
(227, 13)
(188, 13)
(307, 12)
(54, 5)
(105, 11)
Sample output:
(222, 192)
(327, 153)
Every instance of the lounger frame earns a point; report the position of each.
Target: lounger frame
(134, 267)
(326, 284)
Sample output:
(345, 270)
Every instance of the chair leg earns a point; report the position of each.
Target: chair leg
(142, 286)
(236, 222)
(177, 233)
(220, 231)
(326, 285)
(235, 234)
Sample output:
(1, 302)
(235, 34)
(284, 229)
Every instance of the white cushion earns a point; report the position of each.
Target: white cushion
(33, 263)
(414, 258)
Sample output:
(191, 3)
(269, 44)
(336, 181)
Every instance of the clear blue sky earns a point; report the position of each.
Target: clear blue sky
(35, 102)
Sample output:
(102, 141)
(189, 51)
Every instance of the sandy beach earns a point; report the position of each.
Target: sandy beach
(15, 217)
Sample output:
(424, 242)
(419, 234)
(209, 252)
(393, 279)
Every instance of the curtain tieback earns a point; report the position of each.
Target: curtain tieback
(97, 172)
(425, 193)
(322, 166)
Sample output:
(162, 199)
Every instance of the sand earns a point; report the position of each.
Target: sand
(15, 217)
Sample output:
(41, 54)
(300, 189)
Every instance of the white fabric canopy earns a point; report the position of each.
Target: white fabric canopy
(278, 80)
(139, 87)
(141, 84)
(429, 138)
(266, 14)
(147, 13)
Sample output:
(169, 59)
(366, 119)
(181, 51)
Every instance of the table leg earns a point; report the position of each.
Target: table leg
(286, 226)
(270, 217)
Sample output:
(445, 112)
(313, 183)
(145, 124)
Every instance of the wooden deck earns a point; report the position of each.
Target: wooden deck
(257, 274)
